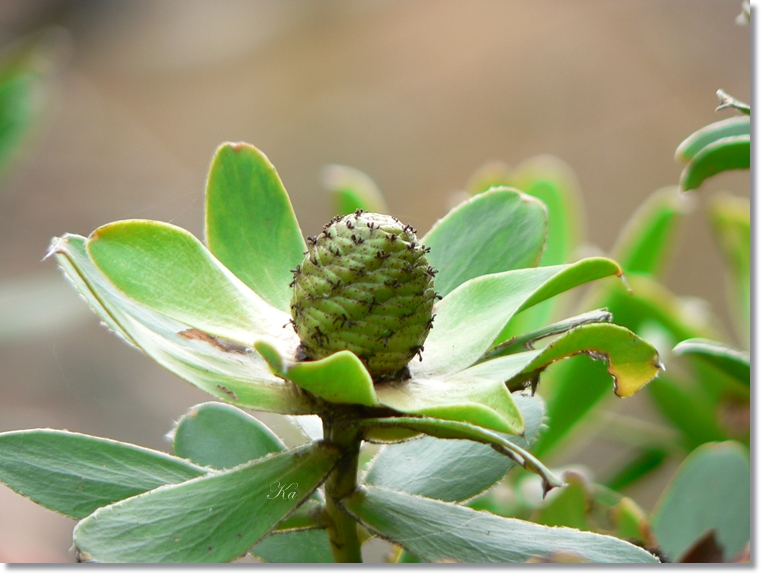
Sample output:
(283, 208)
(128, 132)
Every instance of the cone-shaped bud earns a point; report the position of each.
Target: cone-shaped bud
(365, 285)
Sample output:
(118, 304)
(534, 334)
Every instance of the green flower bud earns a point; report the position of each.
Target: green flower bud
(366, 286)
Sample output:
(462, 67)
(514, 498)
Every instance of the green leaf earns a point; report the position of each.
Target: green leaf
(250, 223)
(648, 236)
(75, 474)
(499, 230)
(445, 429)
(698, 140)
(438, 531)
(473, 315)
(310, 546)
(226, 370)
(165, 268)
(728, 360)
(731, 153)
(211, 519)
(338, 378)
(480, 401)
(553, 182)
(222, 436)
(731, 219)
(450, 469)
(631, 361)
(588, 506)
(648, 304)
(710, 490)
(353, 190)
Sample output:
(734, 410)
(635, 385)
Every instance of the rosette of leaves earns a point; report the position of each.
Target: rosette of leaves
(217, 315)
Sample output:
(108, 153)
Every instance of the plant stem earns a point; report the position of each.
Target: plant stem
(342, 482)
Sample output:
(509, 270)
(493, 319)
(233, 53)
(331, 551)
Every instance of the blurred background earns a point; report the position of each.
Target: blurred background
(134, 97)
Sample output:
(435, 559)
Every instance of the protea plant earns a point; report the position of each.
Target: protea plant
(381, 336)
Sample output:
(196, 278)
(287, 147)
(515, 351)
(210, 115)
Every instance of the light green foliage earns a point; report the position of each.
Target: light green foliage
(588, 506)
(630, 360)
(731, 153)
(711, 490)
(727, 128)
(474, 314)
(645, 243)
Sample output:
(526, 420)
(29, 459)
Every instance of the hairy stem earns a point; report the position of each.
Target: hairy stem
(342, 482)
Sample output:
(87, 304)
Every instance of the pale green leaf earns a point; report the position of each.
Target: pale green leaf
(630, 360)
(731, 153)
(250, 223)
(439, 531)
(527, 341)
(338, 378)
(730, 361)
(480, 401)
(698, 140)
(499, 230)
(309, 546)
(710, 490)
(731, 220)
(228, 371)
(165, 268)
(211, 519)
(644, 244)
(470, 318)
(74, 474)
(447, 429)
(222, 436)
(554, 183)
